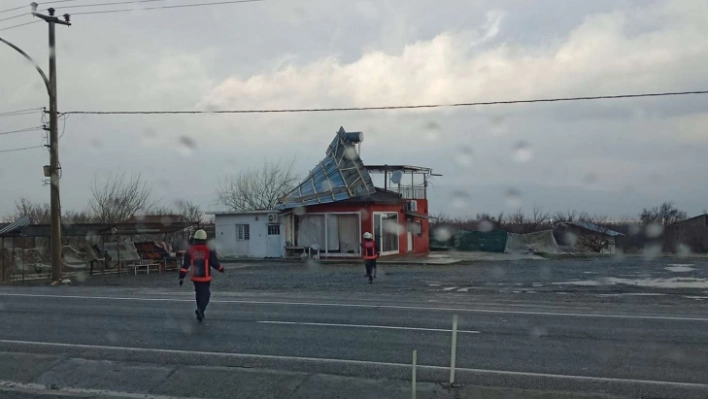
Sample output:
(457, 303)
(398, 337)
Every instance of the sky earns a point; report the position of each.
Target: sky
(611, 157)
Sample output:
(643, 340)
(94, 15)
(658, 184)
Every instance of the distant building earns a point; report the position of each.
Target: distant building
(332, 208)
(587, 237)
(691, 234)
(254, 234)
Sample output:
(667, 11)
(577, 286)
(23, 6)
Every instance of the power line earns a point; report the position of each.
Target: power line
(111, 4)
(20, 111)
(17, 26)
(395, 107)
(166, 7)
(21, 149)
(29, 129)
(44, 2)
(26, 14)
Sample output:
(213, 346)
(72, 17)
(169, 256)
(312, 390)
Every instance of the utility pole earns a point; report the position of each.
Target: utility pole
(54, 168)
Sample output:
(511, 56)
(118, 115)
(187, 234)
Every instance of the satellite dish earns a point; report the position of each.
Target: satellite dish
(396, 177)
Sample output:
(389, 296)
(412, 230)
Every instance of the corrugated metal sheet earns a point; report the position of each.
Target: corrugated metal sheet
(595, 228)
(339, 176)
(21, 222)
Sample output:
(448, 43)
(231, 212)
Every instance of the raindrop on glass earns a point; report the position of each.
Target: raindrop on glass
(538, 332)
(522, 152)
(149, 137)
(651, 252)
(459, 199)
(432, 131)
(442, 234)
(464, 155)
(653, 230)
(570, 239)
(683, 250)
(634, 230)
(485, 226)
(80, 277)
(350, 153)
(112, 337)
(187, 145)
(166, 221)
(513, 198)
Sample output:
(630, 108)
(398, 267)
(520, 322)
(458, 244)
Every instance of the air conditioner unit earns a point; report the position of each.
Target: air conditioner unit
(412, 206)
(272, 218)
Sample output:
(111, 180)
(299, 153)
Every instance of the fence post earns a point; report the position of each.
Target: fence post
(2, 253)
(453, 353)
(414, 377)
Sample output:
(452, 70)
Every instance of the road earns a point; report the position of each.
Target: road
(515, 344)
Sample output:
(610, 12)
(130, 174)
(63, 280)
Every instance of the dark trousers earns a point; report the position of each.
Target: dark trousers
(203, 294)
(370, 267)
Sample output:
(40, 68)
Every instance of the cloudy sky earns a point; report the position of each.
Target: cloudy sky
(606, 157)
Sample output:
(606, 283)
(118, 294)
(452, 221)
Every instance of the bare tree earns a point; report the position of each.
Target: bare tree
(665, 214)
(538, 218)
(257, 188)
(38, 213)
(566, 217)
(119, 197)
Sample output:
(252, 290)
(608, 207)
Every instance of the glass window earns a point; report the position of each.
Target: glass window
(243, 232)
(273, 229)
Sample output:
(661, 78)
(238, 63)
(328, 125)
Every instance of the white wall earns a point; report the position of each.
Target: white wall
(255, 247)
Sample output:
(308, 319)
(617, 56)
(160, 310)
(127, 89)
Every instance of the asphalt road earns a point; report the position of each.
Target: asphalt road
(517, 344)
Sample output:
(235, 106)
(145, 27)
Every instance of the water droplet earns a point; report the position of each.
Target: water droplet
(166, 221)
(299, 211)
(187, 145)
(80, 277)
(538, 332)
(653, 230)
(634, 230)
(683, 250)
(96, 144)
(112, 337)
(392, 227)
(459, 199)
(485, 226)
(651, 252)
(464, 155)
(619, 254)
(442, 234)
(513, 198)
(213, 245)
(186, 327)
(545, 273)
(522, 152)
(2, 306)
(350, 153)
(432, 131)
(497, 273)
(590, 178)
(149, 137)
(570, 239)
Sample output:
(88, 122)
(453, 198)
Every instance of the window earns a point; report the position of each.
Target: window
(243, 232)
(273, 229)
(386, 232)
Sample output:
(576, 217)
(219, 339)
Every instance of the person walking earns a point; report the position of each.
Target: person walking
(370, 255)
(200, 259)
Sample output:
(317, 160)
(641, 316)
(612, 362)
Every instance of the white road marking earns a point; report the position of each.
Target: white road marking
(466, 289)
(689, 385)
(363, 326)
(449, 288)
(11, 386)
(361, 306)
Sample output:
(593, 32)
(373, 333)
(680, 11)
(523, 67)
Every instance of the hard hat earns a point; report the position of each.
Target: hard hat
(200, 235)
(368, 235)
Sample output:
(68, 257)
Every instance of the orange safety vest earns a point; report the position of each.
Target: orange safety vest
(199, 254)
(370, 250)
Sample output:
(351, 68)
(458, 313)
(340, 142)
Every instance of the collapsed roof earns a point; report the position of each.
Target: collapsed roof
(341, 175)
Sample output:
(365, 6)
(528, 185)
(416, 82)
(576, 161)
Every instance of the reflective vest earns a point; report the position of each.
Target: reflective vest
(370, 250)
(200, 263)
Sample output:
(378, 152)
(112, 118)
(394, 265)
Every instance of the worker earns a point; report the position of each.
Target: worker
(200, 258)
(370, 255)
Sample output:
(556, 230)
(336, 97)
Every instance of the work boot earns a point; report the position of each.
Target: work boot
(371, 280)
(201, 312)
(199, 315)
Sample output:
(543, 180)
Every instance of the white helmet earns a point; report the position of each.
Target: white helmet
(368, 236)
(200, 235)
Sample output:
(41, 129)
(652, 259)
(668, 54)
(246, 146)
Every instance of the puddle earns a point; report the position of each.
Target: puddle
(680, 268)
(674, 282)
